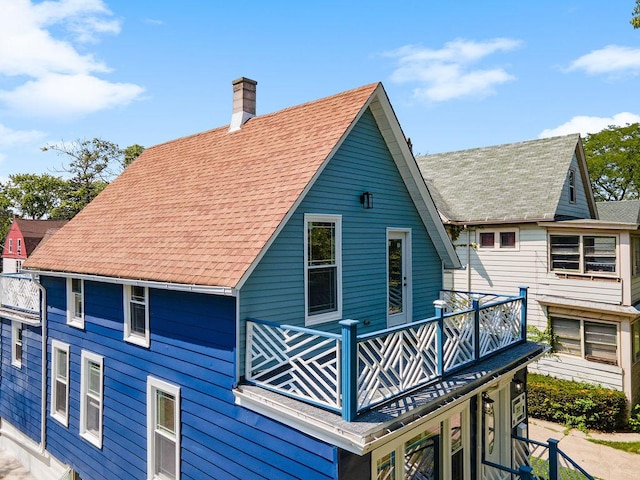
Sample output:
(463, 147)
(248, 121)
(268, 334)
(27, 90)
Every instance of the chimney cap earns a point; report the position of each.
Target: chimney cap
(243, 80)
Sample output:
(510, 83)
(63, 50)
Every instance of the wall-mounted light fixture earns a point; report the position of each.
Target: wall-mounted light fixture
(487, 404)
(366, 199)
(518, 385)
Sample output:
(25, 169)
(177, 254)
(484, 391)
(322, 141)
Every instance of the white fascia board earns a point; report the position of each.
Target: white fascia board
(181, 287)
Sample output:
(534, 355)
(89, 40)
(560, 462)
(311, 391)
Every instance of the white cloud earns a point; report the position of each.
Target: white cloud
(584, 125)
(451, 71)
(29, 49)
(10, 137)
(610, 59)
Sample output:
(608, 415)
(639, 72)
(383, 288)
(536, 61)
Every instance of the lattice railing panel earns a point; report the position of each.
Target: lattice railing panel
(458, 340)
(535, 455)
(499, 326)
(568, 470)
(458, 301)
(294, 362)
(20, 292)
(393, 363)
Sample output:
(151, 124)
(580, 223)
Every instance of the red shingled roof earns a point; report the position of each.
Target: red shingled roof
(199, 210)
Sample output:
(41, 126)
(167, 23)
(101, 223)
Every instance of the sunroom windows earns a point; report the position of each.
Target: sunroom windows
(595, 341)
(136, 314)
(588, 254)
(163, 430)
(323, 268)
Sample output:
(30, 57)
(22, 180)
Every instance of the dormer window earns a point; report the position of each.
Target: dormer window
(19, 246)
(11, 245)
(572, 186)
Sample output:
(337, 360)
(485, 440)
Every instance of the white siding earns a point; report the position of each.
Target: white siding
(579, 370)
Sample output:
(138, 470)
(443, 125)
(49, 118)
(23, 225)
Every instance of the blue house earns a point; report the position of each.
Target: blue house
(264, 300)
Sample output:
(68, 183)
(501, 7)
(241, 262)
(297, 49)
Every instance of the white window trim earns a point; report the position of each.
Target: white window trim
(11, 245)
(323, 317)
(72, 319)
(19, 247)
(143, 341)
(496, 239)
(154, 385)
(581, 270)
(572, 189)
(84, 433)
(15, 327)
(57, 345)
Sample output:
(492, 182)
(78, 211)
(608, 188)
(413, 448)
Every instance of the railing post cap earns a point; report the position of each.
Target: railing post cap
(348, 323)
(439, 303)
(524, 287)
(553, 441)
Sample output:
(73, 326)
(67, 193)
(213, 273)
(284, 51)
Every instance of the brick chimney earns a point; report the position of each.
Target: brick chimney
(244, 102)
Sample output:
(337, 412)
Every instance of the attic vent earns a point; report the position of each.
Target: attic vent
(244, 102)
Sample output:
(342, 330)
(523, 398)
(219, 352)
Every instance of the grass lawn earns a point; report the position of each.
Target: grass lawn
(631, 447)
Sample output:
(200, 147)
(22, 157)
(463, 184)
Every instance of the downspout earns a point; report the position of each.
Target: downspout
(43, 389)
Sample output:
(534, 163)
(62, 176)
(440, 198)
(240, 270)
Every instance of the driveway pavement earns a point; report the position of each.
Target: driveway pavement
(598, 460)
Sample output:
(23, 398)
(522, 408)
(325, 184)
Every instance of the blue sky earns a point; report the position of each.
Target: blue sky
(459, 74)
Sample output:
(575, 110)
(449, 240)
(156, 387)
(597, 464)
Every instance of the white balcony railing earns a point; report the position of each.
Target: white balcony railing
(19, 292)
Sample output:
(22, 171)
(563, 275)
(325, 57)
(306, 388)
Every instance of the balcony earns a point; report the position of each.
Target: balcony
(351, 373)
(19, 298)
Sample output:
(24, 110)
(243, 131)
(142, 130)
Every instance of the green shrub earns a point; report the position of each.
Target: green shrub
(634, 419)
(578, 405)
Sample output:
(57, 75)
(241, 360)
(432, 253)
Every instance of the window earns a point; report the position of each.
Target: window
(323, 268)
(16, 344)
(163, 430)
(498, 239)
(91, 380)
(583, 254)
(10, 245)
(572, 185)
(635, 258)
(18, 265)
(595, 341)
(19, 246)
(75, 302)
(635, 339)
(60, 382)
(487, 240)
(136, 315)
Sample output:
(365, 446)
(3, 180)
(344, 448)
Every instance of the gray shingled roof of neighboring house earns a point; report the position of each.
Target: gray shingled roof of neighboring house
(518, 181)
(625, 211)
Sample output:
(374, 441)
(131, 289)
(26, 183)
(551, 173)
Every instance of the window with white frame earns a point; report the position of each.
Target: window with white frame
(635, 340)
(323, 268)
(572, 185)
(11, 245)
(635, 256)
(583, 253)
(91, 386)
(136, 314)
(163, 430)
(594, 341)
(498, 239)
(59, 405)
(18, 265)
(16, 344)
(19, 246)
(75, 302)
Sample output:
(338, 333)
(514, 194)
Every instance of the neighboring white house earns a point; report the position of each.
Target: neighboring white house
(524, 214)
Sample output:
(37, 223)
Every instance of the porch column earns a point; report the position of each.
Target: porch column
(349, 369)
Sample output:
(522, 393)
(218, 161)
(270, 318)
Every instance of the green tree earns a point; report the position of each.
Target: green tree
(635, 15)
(91, 167)
(613, 158)
(34, 196)
(131, 153)
(6, 214)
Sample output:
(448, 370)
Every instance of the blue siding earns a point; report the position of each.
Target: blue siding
(193, 346)
(275, 290)
(20, 399)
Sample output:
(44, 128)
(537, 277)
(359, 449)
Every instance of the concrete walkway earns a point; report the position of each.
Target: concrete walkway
(11, 469)
(602, 462)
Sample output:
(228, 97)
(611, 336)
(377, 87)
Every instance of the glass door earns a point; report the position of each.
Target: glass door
(398, 278)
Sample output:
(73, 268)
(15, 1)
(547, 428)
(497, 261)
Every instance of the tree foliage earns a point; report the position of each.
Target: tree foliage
(90, 169)
(635, 15)
(34, 196)
(613, 158)
(131, 153)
